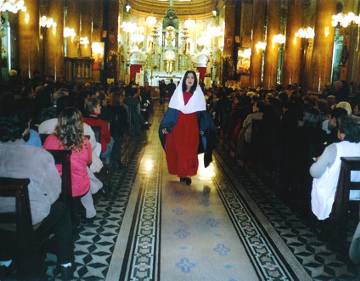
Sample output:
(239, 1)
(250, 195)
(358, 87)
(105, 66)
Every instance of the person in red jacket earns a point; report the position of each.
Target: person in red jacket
(92, 112)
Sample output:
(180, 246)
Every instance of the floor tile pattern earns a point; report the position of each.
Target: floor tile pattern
(318, 260)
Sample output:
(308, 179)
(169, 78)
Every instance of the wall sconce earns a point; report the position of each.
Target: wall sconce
(260, 46)
(69, 32)
(47, 22)
(307, 32)
(12, 6)
(127, 7)
(278, 39)
(345, 19)
(214, 12)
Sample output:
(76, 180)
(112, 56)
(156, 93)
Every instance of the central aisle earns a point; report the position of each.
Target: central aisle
(207, 231)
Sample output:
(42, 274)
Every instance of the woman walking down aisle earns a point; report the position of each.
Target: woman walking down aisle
(184, 123)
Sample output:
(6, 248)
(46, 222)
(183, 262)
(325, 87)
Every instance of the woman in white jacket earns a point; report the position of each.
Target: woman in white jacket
(326, 169)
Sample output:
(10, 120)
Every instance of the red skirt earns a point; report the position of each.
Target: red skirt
(182, 146)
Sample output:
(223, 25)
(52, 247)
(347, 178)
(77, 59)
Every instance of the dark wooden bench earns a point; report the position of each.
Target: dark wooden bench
(28, 263)
(62, 157)
(338, 216)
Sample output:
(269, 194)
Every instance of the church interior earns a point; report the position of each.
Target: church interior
(173, 140)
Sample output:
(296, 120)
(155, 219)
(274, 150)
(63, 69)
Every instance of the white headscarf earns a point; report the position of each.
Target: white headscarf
(196, 102)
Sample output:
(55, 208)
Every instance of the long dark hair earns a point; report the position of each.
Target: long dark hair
(193, 87)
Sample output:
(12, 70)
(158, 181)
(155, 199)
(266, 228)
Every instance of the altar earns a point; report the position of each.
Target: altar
(155, 50)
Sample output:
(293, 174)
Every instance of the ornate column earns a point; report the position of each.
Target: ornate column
(73, 21)
(259, 13)
(271, 52)
(54, 45)
(293, 45)
(86, 26)
(28, 39)
(229, 40)
(323, 44)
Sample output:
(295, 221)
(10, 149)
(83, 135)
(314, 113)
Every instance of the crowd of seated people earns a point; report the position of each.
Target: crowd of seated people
(94, 122)
(289, 137)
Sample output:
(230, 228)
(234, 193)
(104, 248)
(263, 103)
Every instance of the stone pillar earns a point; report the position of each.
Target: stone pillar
(97, 17)
(111, 12)
(28, 39)
(73, 21)
(229, 40)
(86, 26)
(323, 45)
(293, 45)
(259, 13)
(271, 52)
(54, 43)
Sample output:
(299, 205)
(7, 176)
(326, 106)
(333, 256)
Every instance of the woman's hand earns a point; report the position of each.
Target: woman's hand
(164, 131)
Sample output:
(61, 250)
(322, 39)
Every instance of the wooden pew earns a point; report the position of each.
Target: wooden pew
(27, 253)
(338, 216)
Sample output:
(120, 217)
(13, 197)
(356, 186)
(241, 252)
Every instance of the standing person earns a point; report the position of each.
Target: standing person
(162, 89)
(170, 88)
(184, 123)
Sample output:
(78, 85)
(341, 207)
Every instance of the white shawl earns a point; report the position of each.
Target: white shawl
(196, 102)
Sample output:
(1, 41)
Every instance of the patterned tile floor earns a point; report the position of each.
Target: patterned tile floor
(97, 249)
(318, 259)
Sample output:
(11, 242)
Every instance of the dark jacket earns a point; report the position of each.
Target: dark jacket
(206, 128)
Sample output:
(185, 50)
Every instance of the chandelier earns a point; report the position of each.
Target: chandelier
(12, 6)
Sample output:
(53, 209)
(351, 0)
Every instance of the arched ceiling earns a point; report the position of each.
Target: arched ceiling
(182, 7)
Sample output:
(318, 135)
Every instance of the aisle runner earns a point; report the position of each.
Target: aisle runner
(207, 232)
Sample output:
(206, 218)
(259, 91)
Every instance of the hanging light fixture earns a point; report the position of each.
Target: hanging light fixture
(12, 6)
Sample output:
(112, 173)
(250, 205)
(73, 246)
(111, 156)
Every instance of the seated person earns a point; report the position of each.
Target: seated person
(326, 169)
(329, 126)
(20, 160)
(48, 127)
(92, 112)
(69, 134)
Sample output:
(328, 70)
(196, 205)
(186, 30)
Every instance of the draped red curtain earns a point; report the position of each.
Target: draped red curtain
(134, 68)
(202, 72)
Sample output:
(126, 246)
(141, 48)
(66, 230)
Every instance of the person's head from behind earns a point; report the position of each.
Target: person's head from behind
(13, 126)
(93, 106)
(336, 114)
(348, 129)
(70, 129)
(190, 82)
